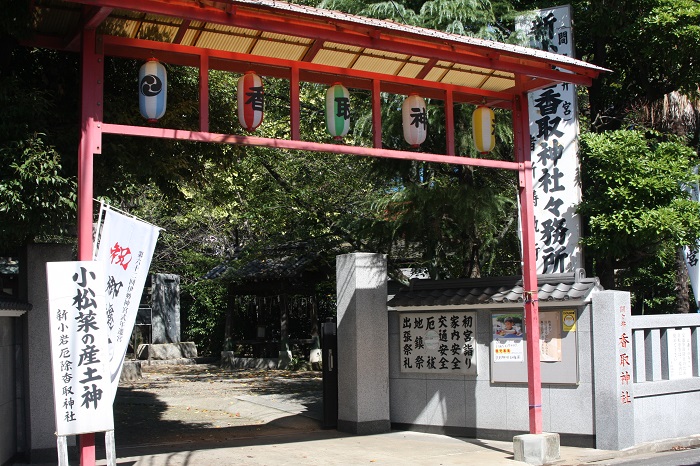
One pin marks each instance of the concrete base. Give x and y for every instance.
(536, 448)
(284, 359)
(230, 361)
(167, 351)
(364, 428)
(131, 370)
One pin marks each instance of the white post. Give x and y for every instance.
(62, 447)
(110, 448)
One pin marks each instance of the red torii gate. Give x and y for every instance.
(301, 43)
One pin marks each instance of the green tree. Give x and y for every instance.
(652, 48)
(37, 191)
(448, 221)
(634, 201)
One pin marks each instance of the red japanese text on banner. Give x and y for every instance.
(125, 250)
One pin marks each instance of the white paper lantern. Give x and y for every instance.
(415, 120)
(251, 100)
(338, 110)
(153, 90)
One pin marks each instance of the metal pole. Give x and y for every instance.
(527, 221)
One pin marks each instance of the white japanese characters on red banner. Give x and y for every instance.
(554, 146)
(79, 351)
(125, 251)
(438, 342)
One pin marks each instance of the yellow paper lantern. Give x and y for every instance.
(483, 129)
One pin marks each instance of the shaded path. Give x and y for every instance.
(177, 406)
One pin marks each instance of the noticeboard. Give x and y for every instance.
(442, 342)
(558, 347)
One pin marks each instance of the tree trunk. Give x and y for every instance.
(682, 295)
(228, 328)
(605, 269)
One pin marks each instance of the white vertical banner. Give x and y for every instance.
(125, 250)
(554, 144)
(79, 350)
(692, 254)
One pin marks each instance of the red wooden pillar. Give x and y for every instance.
(204, 92)
(376, 114)
(92, 79)
(294, 110)
(449, 123)
(521, 128)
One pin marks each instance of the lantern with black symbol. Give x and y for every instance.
(415, 120)
(483, 129)
(251, 99)
(337, 110)
(153, 90)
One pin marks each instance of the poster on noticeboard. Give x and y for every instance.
(558, 346)
(509, 332)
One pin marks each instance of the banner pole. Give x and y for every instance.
(110, 448)
(62, 447)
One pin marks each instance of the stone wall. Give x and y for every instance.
(41, 417)
(474, 406)
(8, 409)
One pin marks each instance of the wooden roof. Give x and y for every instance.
(554, 290)
(274, 37)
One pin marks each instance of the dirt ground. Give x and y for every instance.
(186, 404)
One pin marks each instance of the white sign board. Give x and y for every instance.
(554, 148)
(680, 359)
(692, 254)
(79, 350)
(438, 342)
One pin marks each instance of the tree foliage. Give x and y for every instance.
(634, 200)
(652, 48)
(37, 183)
(216, 200)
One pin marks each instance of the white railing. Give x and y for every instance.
(665, 353)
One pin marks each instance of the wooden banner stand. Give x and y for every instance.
(110, 449)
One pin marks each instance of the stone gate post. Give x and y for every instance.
(612, 370)
(363, 350)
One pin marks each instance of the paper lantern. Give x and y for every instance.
(251, 98)
(337, 110)
(153, 90)
(483, 129)
(415, 120)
